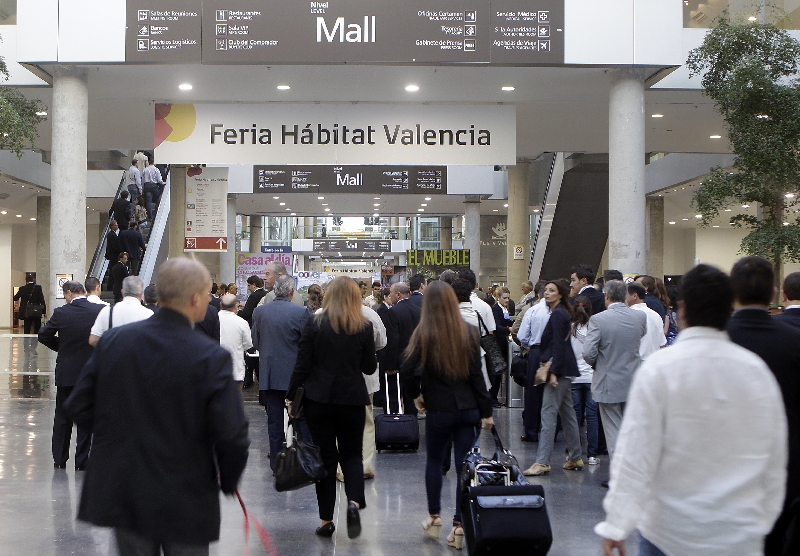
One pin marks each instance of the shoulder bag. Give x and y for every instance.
(299, 465)
(33, 310)
(495, 363)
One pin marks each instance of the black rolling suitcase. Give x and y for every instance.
(506, 520)
(395, 431)
(500, 511)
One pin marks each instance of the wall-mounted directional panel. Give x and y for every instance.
(163, 31)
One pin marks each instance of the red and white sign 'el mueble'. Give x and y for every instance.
(206, 218)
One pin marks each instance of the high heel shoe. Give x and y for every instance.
(326, 530)
(432, 526)
(456, 538)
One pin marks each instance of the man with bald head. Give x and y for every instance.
(168, 423)
(273, 270)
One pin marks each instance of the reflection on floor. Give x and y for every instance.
(38, 502)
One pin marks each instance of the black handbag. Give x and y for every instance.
(33, 310)
(502, 470)
(519, 370)
(298, 465)
(495, 362)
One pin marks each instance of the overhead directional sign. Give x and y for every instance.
(350, 179)
(206, 221)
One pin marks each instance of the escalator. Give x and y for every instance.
(155, 237)
(573, 228)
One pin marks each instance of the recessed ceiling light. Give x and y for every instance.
(427, 198)
(185, 86)
(715, 226)
(535, 210)
(412, 88)
(752, 18)
(715, 136)
(423, 204)
(288, 209)
(789, 195)
(657, 116)
(495, 210)
(327, 209)
(376, 214)
(3, 212)
(377, 198)
(23, 186)
(293, 214)
(33, 219)
(20, 216)
(506, 205)
(324, 204)
(671, 222)
(283, 87)
(698, 216)
(282, 204)
(376, 204)
(42, 113)
(320, 198)
(276, 197)
(684, 219)
(785, 223)
(745, 206)
(507, 88)
(420, 210)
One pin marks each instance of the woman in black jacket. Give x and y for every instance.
(557, 348)
(444, 356)
(337, 346)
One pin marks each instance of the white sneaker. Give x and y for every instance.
(592, 460)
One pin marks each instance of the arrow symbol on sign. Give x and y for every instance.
(222, 241)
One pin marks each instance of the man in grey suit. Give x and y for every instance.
(276, 332)
(612, 348)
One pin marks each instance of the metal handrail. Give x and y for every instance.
(541, 212)
(101, 243)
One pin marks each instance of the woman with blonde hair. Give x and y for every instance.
(444, 357)
(337, 346)
(315, 297)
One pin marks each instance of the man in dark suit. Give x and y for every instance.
(151, 298)
(112, 243)
(118, 273)
(132, 242)
(121, 210)
(403, 319)
(276, 332)
(31, 292)
(417, 287)
(67, 332)
(581, 282)
(255, 286)
(791, 300)
(165, 443)
(777, 344)
(209, 325)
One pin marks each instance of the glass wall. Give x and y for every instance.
(701, 14)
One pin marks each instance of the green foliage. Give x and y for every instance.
(18, 119)
(751, 72)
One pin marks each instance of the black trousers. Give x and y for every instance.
(133, 544)
(31, 325)
(532, 414)
(62, 433)
(338, 431)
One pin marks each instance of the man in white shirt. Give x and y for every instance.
(481, 307)
(153, 184)
(654, 339)
(128, 310)
(133, 182)
(704, 400)
(234, 334)
(93, 289)
(530, 336)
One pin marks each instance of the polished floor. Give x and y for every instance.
(38, 503)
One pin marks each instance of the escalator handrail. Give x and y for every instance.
(541, 212)
(101, 243)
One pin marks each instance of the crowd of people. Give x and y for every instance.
(666, 383)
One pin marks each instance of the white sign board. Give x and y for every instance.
(335, 134)
(206, 221)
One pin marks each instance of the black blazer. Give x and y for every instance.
(790, 316)
(416, 298)
(112, 247)
(163, 407)
(556, 344)
(596, 297)
(502, 329)
(330, 365)
(30, 292)
(118, 273)
(778, 345)
(403, 319)
(210, 325)
(132, 241)
(122, 212)
(443, 395)
(250, 305)
(67, 332)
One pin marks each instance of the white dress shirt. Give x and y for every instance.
(94, 299)
(234, 335)
(126, 311)
(468, 314)
(654, 338)
(133, 177)
(151, 174)
(703, 403)
(482, 308)
(533, 324)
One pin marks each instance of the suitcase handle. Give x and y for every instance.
(476, 444)
(399, 397)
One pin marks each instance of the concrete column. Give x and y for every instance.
(177, 210)
(255, 233)
(70, 117)
(472, 231)
(6, 281)
(518, 230)
(308, 225)
(445, 232)
(227, 259)
(43, 205)
(655, 236)
(626, 190)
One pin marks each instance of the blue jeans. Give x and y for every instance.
(583, 403)
(440, 427)
(152, 196)
(646, 548)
